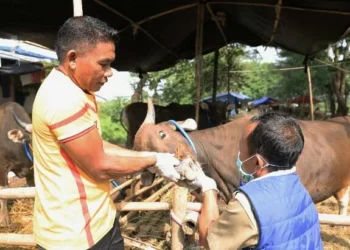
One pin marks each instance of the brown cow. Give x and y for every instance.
(210, 115)
(322, 166)
(13, 156)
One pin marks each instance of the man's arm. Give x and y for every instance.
(235, 228)
(209, 213)
(114, 150)
(88, 153)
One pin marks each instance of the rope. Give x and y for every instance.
(183, 132)
(175, 217)
(325, 64)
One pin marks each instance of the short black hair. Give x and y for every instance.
(79, 32)
(277, 138)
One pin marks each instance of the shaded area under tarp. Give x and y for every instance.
(264, 100)
(15, 69)
(154, 35)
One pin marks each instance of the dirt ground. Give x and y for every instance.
(154, 229)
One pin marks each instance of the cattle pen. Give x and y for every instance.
(178, 206)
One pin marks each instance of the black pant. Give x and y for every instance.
(113, 240)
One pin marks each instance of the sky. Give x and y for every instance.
(119, 83)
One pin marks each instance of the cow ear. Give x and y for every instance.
(16, 136)
(188, 125)
(204, 106)
(230, 107)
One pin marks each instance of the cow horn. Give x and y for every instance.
(26, 126)
(151, 115)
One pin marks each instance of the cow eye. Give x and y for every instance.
(162, 135)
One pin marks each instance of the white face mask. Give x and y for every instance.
(246, 177)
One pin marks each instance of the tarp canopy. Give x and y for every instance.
(155, 34)
(304, 99)
(24, 49)
(232, 97)
(264, 100)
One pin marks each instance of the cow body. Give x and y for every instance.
(12, 155)
(210, 115)
(323, 165)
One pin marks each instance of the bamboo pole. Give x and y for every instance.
(189, 223)
(215, 75)
(334, 219)
(29, 192)
(277, 20)
(153, 197)
(137, 243)
(77, 7)
(199, 57)
(179, 209)
(17, 239)
(142, 190)
(125, 184)
(155, 206)
(334, 12)
(17, 193)
(310, 92)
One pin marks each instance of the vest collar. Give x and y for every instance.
(276, 173)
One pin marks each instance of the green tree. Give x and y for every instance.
(177, 84)
(112, 129)
(294, 82)
(261, 79)
(339, 53)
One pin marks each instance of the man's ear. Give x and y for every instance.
(260, 161)
(72, 56)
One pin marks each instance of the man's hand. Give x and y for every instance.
(165, 166)
(198, 178)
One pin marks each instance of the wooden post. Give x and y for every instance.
(77, 7)
(215, 76)
(310, 93)
(199, 58)
(179, 209)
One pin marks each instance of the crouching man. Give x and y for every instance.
(272, 209)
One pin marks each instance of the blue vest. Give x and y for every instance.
(286, 216)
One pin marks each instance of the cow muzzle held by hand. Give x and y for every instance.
(165, 166)
(193, 177)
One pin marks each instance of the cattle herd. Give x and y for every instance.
(322, 165)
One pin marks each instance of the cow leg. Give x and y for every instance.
(342, 197)
(4, 216)
(30, 179)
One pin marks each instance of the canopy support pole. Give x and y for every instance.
(310, 91)
(77, 7)
(199, 57)
(215, 75)
(179, 209)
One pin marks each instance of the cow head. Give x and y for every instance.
(217, 112)
(163, 137)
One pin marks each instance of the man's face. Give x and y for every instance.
(251, 165)
(94, 67)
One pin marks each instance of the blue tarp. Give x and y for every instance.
(232, 97)
(25, 49)
(264, 100)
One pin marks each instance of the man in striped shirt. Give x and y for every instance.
(73, 165)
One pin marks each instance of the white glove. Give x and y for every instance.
(198, 178)
(165, 166)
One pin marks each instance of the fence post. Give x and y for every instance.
(179, 209)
